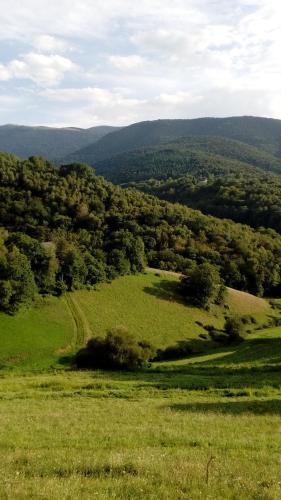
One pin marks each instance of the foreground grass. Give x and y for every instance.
(150, 434)
(143, 435)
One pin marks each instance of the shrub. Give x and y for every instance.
(178, 351)
(117, 351)
(234, 328)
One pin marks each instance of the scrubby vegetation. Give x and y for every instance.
(234, 328)
(117, 351)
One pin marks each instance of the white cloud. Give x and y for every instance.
(100, 96)
(144, 60)
(178, 98)
(127, 62)
(44, 70)
(49, 44)
(4, 73)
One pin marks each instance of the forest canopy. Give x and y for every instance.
(66, 228)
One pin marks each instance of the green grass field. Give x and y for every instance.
(150, 434)
(148, 305)
(35, 338)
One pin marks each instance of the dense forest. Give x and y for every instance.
(250, 199)
(202, 158)
(67, 228)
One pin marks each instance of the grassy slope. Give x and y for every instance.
(37, 337)
(146, 305)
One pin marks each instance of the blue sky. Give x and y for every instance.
(91, 62)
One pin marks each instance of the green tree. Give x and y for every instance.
(18, 286)
(203, 285)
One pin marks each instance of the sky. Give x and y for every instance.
(85, 63)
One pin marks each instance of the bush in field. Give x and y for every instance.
(234, 329)
(117, 351)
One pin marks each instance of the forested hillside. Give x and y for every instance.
(66, 228)
(49, 142)
(201, 157)
(263, 133)
(224, 178)
(253, 199)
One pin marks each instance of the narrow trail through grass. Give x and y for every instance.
(82, 329)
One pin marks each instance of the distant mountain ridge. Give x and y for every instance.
(49, 142)
(262, 133)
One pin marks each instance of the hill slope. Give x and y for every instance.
(51, 143)
(259, 132)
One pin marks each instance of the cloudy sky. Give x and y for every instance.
(91, 62)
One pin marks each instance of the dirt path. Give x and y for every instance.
(82, 329)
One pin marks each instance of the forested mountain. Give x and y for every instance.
(201, 157)
(46, 141)
(63, 228)
(219, 176)
(262, 133)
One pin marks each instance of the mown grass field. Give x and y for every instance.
(150, 434)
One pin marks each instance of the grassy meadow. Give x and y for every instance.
(204, 427)
(35, 338)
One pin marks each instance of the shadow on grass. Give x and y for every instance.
(67, 360)
(259, 351)
(166, 290)
(254, 364)
(258, 407)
